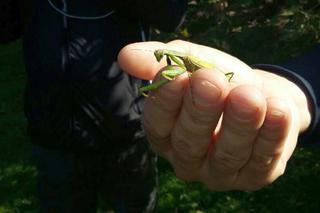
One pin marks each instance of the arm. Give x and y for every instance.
(304, 71)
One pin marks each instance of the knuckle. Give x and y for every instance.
(228, 161)
(153, 135)
(191, 131)
(156, 139)
(262, 163)
(170, 93)
(197, 153)
(205, 113)
(198, 117)
(165, 101)
(269, 135)
(242, 130)
(180, 146)
(196, 124)
(190, 152)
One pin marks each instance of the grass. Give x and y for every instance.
(17, 174)
(247, 35)
(296, 191)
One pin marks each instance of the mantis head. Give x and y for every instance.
(159, 54)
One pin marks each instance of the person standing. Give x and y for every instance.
(83, 112)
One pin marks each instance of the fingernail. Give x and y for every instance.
(276, 113)
(204, 93)
(242, 111)
(272, 120)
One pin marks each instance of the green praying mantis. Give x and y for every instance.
(183, 63)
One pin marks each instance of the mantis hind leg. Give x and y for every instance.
(229, 75)
(170, 72)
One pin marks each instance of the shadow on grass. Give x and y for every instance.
(17, 174)
(296, 191)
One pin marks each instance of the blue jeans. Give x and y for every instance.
(69, 182)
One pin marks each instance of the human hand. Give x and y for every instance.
(234, 135)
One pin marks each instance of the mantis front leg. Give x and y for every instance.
(169, 72)
(183, 62)
(172, 71)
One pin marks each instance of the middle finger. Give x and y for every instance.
(200, 113)
(243, 116)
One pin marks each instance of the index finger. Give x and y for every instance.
(138, 59)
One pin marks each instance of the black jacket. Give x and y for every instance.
(77, 98)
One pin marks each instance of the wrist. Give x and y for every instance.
(309, 112)
(281, 87)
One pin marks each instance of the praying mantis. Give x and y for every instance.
(183, 63)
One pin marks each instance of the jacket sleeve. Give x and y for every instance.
(305, 72)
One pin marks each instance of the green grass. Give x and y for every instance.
(267, 41)
(17, 174)
(296, 191)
